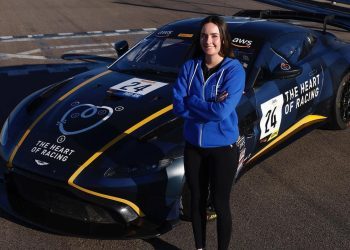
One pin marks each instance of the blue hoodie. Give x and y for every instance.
(209, 123)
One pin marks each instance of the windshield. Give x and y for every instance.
(156, 56)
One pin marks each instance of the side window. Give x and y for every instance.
(308, 44)
(261, 71)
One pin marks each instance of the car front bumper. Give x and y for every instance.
(56, 207)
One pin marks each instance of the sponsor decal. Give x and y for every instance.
(119, 108)
(271, 117)
(102, 112)
(285, 66)
(75, 115)
(164, 33)
(273, 136)
(303, 93)
(241, 149)
(41, 163)
(242, 157)
(263, 140)
(246, 58)
(313, 72)
(61, 139)
(85, 117)
(73, 104)
(135, 87)
(52, 151)
(185, 35)
(241, 43)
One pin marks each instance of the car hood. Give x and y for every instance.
(87, 117)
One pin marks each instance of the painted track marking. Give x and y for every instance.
(66, 35)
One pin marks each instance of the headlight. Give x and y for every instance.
(122, 170)
(3, 136)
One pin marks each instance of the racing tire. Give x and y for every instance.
(340, 116)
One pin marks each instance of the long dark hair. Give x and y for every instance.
(226, 48)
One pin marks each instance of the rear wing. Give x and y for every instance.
(333, 20)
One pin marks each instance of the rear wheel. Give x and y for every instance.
(341, 108)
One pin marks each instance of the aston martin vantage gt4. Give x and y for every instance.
(102, 152)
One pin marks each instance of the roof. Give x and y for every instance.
(258, 28)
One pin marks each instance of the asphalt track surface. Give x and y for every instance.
(298, 198)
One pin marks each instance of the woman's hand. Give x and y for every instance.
(222, 96)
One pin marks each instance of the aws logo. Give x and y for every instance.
(241, 43)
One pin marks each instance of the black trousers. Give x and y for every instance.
(218, 167)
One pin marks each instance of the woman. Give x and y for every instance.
(206, 94)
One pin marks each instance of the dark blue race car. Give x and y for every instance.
(101, 153)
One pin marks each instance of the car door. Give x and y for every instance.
(300, 98)
(284, 89)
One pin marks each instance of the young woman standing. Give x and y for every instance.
(206, 94)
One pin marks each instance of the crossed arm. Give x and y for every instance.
(194, 107)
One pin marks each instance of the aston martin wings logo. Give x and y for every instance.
(41, 163)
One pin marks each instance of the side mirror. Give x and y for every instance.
(285, 71)
(121, 47)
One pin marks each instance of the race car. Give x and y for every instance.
(101, 153)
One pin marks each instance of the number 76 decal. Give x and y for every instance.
(271, 117)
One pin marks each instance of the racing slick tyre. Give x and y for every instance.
(341, 110)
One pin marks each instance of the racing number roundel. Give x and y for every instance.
(271, 117)
(136, 87)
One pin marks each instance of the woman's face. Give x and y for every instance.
(210, 39)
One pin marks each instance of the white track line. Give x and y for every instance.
(89, 50)
(79, 45)
(7, 39)
(33, 51)
(7, 55)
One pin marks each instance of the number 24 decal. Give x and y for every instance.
(270, 120)
(271, 116)
(135, 87)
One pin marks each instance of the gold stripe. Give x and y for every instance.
(10, 164)
(185, 35)
(107, 146)
(306, 121)
(129, 203)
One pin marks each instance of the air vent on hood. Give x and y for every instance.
(47, 93)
